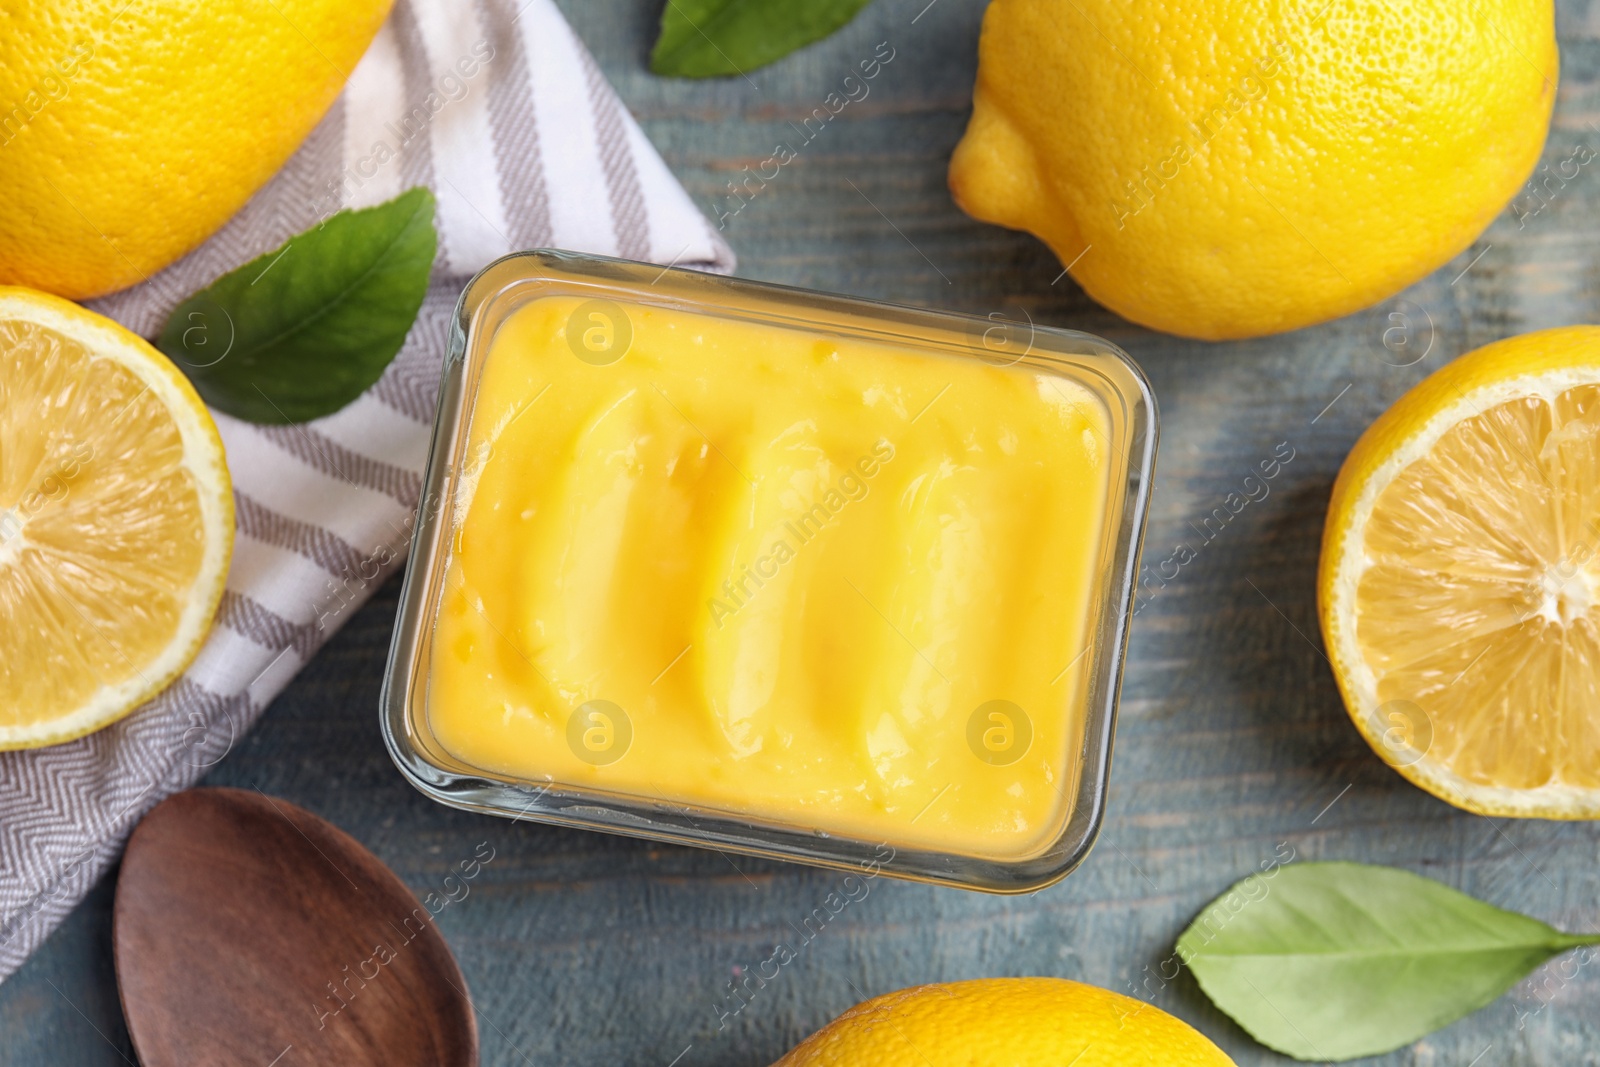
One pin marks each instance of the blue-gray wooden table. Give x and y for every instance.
(1233, 747)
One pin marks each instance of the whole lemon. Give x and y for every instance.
(1006, 1022)
(1231, 168)
(130, 130)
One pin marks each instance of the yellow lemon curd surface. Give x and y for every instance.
(798, 577)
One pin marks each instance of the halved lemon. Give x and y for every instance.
(116, 520)
(1460, 579)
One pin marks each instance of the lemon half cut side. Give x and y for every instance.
(116, 521)
(1459, 587)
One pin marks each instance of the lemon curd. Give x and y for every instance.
(804, 578)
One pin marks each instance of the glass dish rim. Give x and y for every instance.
(662, 820)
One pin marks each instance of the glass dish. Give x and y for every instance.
(1006, 541)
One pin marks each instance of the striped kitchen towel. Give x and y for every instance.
(499, 109)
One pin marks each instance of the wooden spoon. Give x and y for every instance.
(249, 931)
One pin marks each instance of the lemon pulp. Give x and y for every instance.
(1481, 594)
(115, 521)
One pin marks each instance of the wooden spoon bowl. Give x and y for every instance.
(249, 931)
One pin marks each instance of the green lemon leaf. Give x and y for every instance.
(705, 38)
(307, 328)
(1333, 961)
